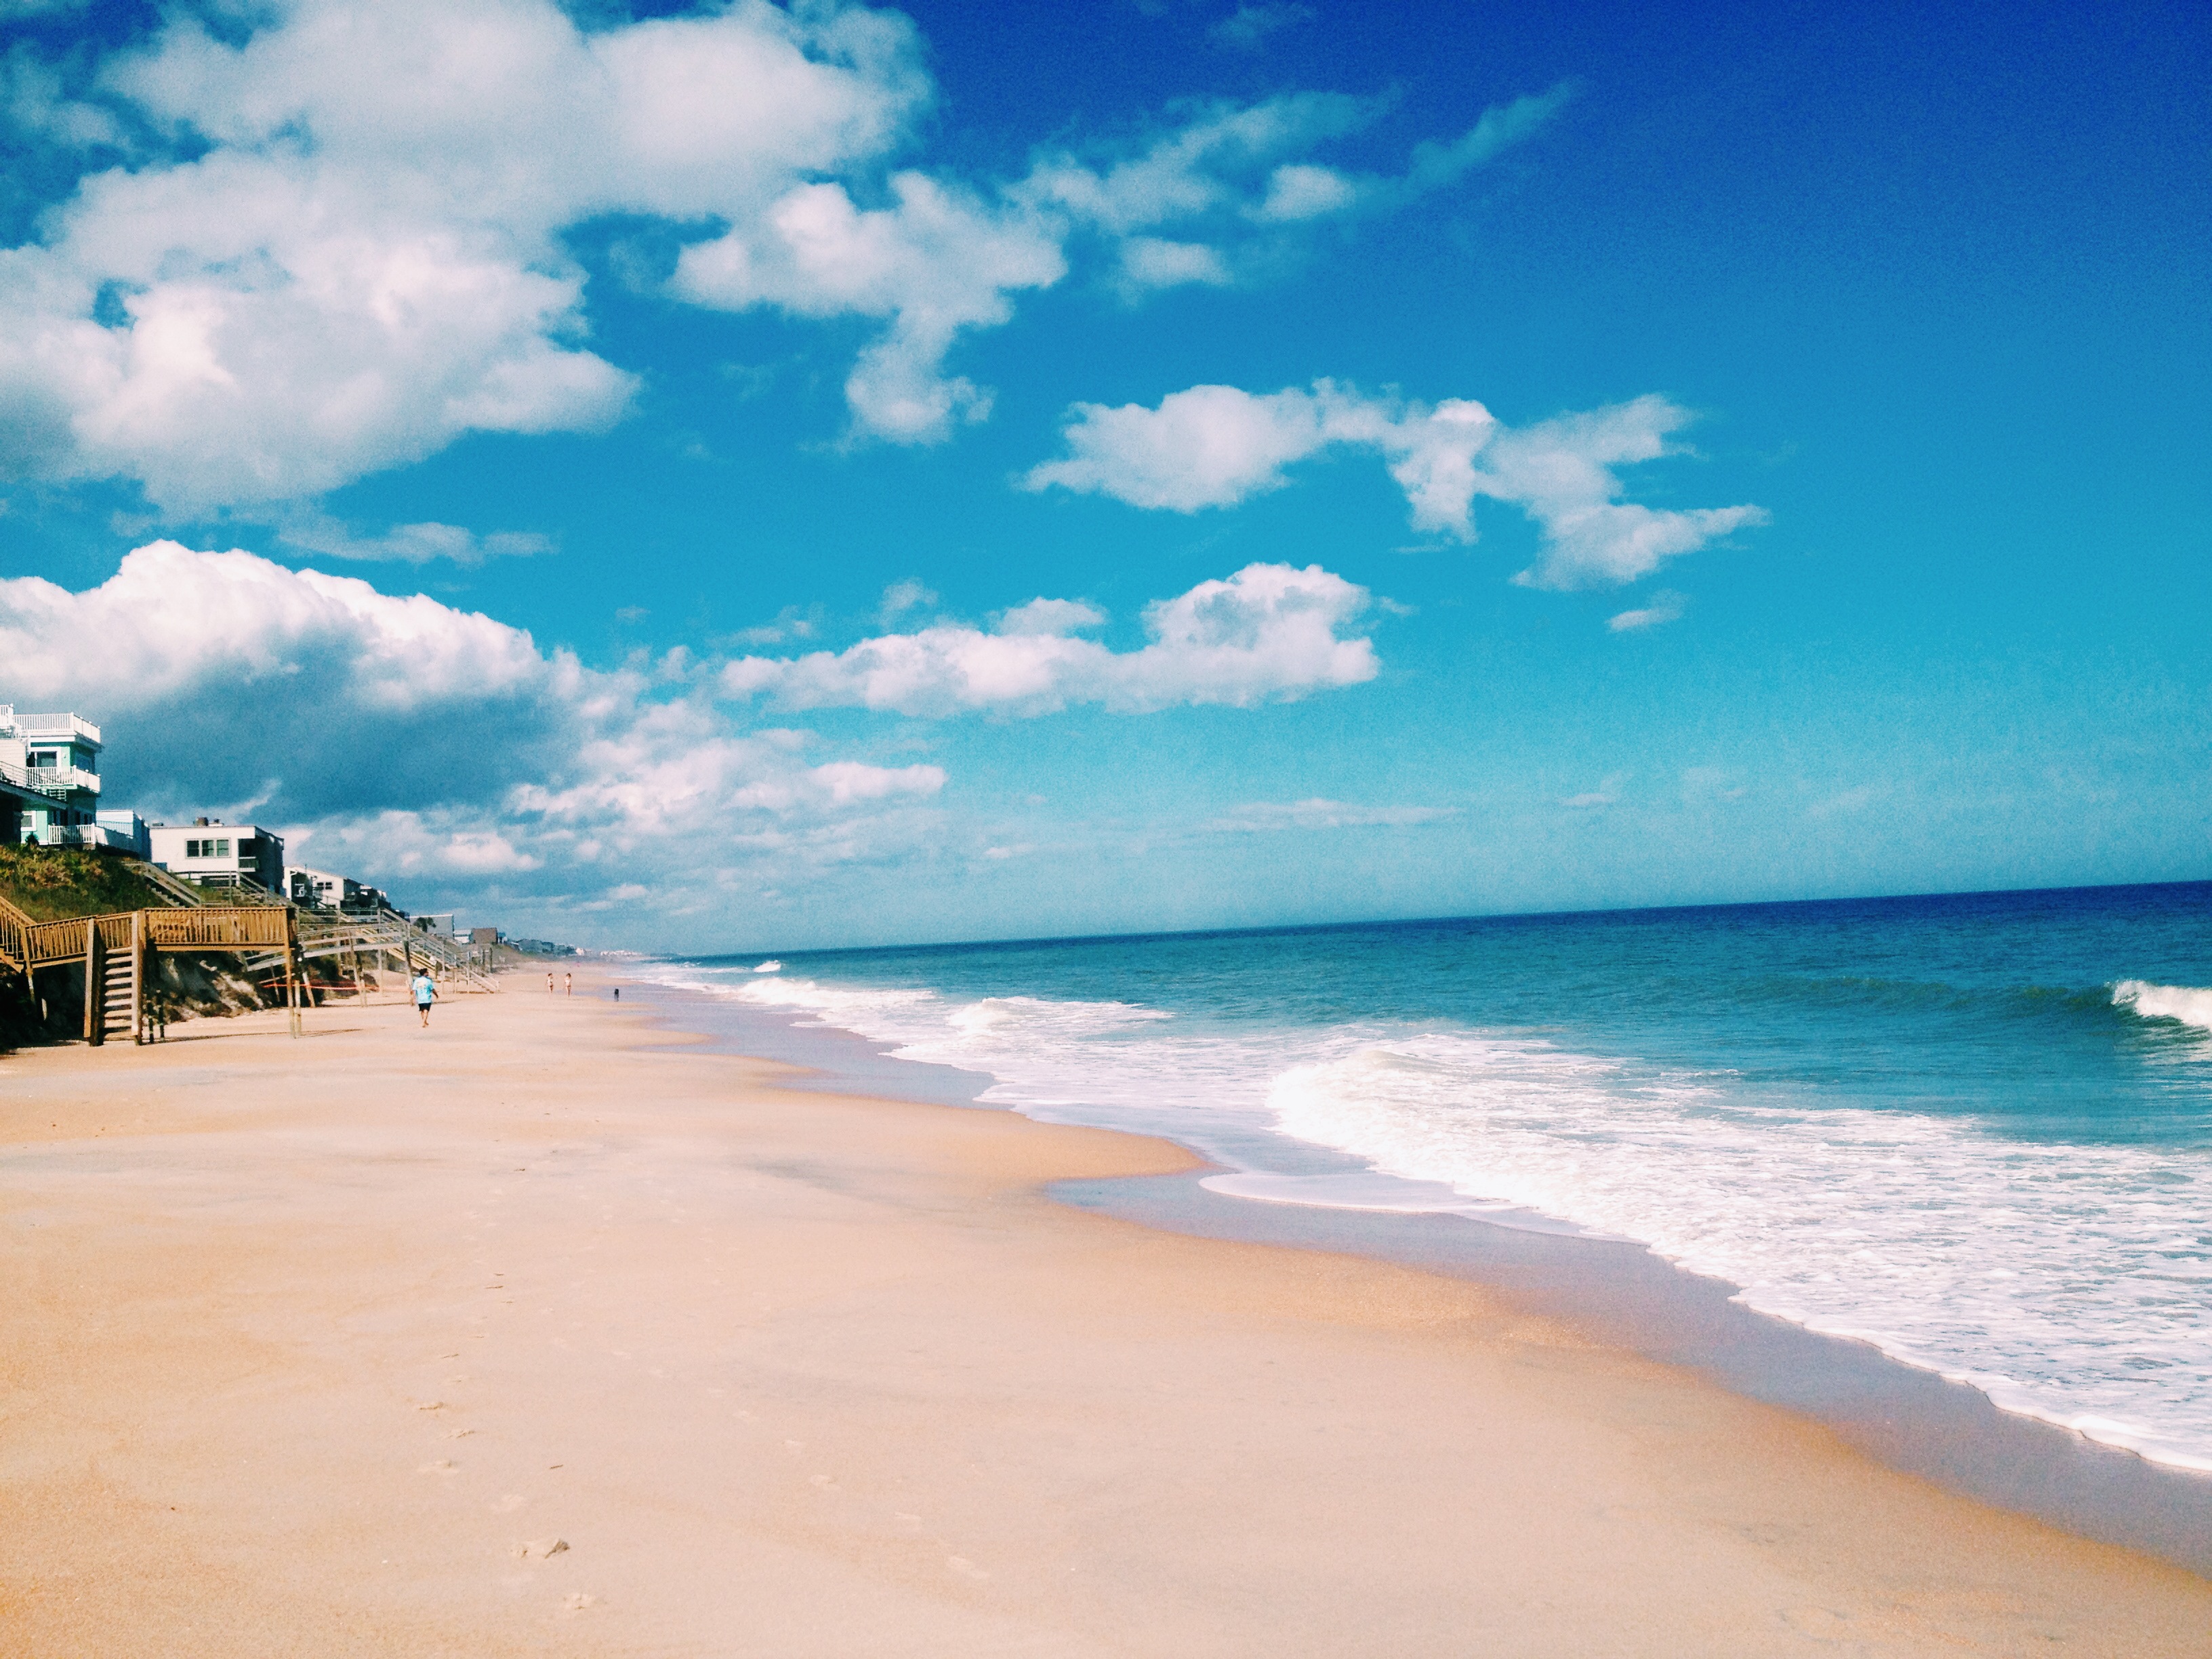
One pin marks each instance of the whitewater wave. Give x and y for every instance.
(2065, 1281)
(2190, 1005)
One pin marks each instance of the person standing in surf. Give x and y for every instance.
(426, 993)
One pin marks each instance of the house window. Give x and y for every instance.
(43, 757)
(222, 849)
(191, 850)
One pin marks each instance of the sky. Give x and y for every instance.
(721, 478)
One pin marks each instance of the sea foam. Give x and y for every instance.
(2068, 1280)
(2188, 1004)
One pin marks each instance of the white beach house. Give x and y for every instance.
(212, 854)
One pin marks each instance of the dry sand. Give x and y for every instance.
(543, 1332)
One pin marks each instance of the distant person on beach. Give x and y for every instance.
(618, 994)
(549, 985)
(571, 978)
(426, 993)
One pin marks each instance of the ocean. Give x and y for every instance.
(1974, 1130)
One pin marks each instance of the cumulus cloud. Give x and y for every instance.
(338, 243)
(934, 262)
(444, 754)
(1260, 818)
(1268, 632)
(1215, 445)
(401, 738)
(349, 254)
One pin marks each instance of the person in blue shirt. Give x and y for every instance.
(426, 993)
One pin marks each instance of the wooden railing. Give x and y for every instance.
(65, 941)
(29, 945)
(13, 951)
(212, 925)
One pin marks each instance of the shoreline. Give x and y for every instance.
(552, 1331)
(1912, 1418)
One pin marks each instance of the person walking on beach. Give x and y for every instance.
(570, 979)
(549, 985)
(426, 993)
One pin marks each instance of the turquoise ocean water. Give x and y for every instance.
(1975, 1130)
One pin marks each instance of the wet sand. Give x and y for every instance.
(543, 1332)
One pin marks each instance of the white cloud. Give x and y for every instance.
(935, 263)
(1215, 445)
(1050, 617)
(1187, 206)
(1260, 818)
(1666, 606)
(342, 247)
(34, 101)
(445, 755)
(1268, 632)
(1212, 445)
(351, 256)
(410, 543)
(409, 740)
(902, 596)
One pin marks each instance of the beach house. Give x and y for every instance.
(212, 854)
(325, 889)
(49, 778)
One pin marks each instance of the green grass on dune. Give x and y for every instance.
(50, 883)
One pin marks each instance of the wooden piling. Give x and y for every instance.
(95, 985)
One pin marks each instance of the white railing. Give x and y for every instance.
(59, 779)
(58, 727)
(54, 780)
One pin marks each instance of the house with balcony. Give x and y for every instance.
(49, 778)
(209, 853)
(324, 890)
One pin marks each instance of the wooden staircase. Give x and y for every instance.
(114, 953)
(324, 933)
(116, 1006)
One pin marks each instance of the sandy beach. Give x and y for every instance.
(546, 1331)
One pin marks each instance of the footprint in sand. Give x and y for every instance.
(443, 1466)
(541, 1549)
(508, 1504)
(579, 1603)
(431, 1405)
(460, 1434)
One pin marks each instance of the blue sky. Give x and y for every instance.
(657, 351)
